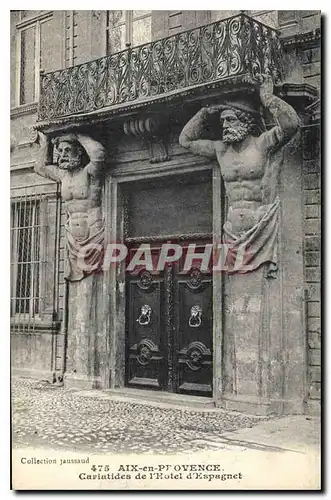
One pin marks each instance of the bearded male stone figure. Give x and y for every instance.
(79, 169)
(247, 161)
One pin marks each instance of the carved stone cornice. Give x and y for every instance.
(205, 91)
(24, 109)
(299, 95)
(151, 129)
(309, 39)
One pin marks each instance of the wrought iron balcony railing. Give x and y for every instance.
(232, 47)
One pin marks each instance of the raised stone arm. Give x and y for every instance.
(190, 137)
(286, 118)
(96, 153)
(44, 165)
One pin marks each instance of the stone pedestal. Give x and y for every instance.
(253, 362)
(264, 360)
(264, 346)
(85, 343)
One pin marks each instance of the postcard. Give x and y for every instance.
(165, 250)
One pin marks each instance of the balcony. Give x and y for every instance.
(233, 49)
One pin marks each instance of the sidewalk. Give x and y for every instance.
(55, 417)
(112, 432)
(297, 433)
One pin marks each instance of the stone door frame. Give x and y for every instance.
(114, 279)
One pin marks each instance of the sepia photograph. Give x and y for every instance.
(165, 249)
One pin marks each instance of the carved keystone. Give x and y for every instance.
(150, 129)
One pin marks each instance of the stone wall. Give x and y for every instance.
(312, 238)
(302, 65)
(312, 258)
(311, 60)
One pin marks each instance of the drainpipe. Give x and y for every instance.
(64, 332)
(59, 375)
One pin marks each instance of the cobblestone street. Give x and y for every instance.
(54, 417)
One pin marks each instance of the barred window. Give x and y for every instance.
(25, 257)
(127, 27)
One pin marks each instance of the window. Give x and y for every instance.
(127, 27)
(29, 13)
(31, 39)
(25, 257)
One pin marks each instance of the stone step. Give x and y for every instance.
(165, 397)
(154, 398)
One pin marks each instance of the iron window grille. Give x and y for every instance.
(26, 262)
(34, 261)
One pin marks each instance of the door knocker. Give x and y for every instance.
(195, 318)
(145, 315)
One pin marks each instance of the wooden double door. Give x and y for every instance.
(169, 327)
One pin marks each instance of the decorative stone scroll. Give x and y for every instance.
(249, 157)
(151, 130)
(33, 135)
(79, 168)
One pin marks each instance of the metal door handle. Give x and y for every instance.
(195, 318)
(145, 315)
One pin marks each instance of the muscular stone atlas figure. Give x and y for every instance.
(79, 169)
(245, 157)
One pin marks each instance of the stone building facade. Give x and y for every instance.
(119, 87)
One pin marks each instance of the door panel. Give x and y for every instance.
(194, 334)
(169, 328)
(146, 351)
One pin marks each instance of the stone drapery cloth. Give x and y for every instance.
(84, 257)
(255, 247)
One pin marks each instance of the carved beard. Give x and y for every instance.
(70, 164)
(235, 134)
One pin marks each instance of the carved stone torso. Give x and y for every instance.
(81, 194)
(75, 185)
(80, 189)
(243, 169)
(243, 163)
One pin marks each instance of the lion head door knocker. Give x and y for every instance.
(195, 280)
(145, 315)
(195, 318)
